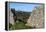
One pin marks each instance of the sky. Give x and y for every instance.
(23, 7)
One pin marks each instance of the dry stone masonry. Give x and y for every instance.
(37, 17)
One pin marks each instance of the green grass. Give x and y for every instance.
(19, 25)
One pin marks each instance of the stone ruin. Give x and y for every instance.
(10, 17)
(37, 17)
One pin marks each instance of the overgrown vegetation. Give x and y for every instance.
(20, 25)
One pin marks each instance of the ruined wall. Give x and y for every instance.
(37, 17)
(10, 17)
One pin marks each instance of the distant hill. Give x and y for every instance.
(23, 13)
